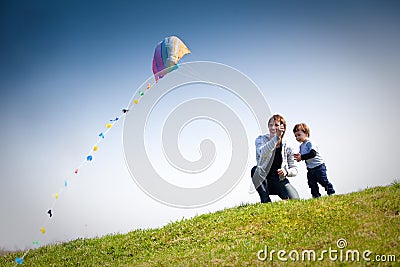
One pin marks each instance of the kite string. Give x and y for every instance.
(189, 72)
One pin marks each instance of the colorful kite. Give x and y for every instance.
(166, 56)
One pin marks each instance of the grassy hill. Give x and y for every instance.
(367, 223)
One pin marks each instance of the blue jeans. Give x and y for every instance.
(317, 176)
(273, 186)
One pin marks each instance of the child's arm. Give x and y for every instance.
(309, 155)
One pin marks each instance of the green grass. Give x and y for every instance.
(368, 220)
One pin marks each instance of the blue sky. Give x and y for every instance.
(67, 67)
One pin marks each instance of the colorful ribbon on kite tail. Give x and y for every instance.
(87, 159)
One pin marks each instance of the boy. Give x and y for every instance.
(316, 169)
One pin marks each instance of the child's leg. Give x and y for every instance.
(312, 183)
(322, 178)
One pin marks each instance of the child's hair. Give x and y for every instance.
(302, 127)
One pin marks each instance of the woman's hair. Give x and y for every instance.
(302, 127)
(280, 119)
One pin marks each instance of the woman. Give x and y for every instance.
(275, 162)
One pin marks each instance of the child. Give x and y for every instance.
(316, 169)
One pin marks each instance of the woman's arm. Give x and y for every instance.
(265, 147)
(292, 167)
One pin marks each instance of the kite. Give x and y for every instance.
(166, 56)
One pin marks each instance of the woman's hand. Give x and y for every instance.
(280, 130)
(282, 172)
